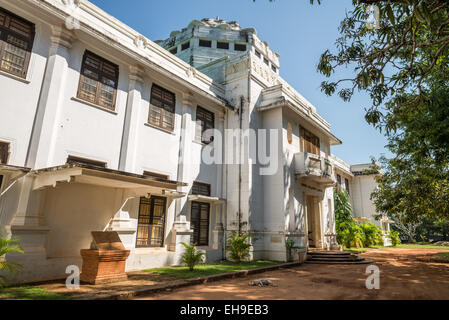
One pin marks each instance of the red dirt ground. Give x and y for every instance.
(404, 274)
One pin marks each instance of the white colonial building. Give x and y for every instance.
(103, 129)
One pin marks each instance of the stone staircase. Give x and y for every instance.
(335, 257)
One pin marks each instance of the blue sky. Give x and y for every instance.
(298, 31)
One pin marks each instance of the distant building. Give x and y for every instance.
(360, 184)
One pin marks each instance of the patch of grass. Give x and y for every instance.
(211, 268)
(355, 250)
(418, 246)
(441, 257)
(400, 246)
(29, 293)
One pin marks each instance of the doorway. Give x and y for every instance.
(313, 221)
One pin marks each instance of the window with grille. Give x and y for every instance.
(16, 43)
(151, 222)
(222, 45)
(239, 47)
(199, 188)
(205, 120)
(4, 152)
(309, 142)
(199, 222)
(162, 108)
(206, 43)
(98, 81)
(77, 160)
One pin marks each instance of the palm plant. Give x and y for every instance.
(238, 247)
(191, 257)
(8, 246)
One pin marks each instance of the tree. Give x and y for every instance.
(410, 40)
(402, 63)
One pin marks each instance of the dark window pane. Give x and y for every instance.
(239, 47)
(199, 222)
(162, 108)
(204, 120)
(274, 68)
(199, 188)
(16, 41)
(151, 222)
(98, 81)
(222, 45)
(266, 61)
(258, 54)
(205, 43)
(174, 50)
(4, 152)
(185, 46)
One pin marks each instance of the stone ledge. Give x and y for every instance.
(149, 290)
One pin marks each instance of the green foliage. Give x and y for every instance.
(394, 236)
(191, 257)
(238, 247)
(8, 246)
(403, 65)
(372, 234)
(350, 233)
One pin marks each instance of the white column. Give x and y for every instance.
(130, 129)
(184, 161)
(43, 137)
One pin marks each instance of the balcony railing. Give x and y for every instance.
(312, 167)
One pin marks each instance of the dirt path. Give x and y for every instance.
(404, 274)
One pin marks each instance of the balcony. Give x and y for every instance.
(311, 167)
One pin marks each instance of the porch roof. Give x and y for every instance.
(13, 170)
(89, 174)
(201, 198)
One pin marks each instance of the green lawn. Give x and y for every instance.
(418, 245)
(211, 268)
(28, 293)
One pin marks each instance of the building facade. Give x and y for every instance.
(104, 129)
(359, 181)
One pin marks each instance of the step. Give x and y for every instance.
(336, 260)
(329, 255)
(364, 261)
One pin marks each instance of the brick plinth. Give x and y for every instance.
(103, 266)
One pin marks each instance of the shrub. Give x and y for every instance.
(394, 236)
(191, 256)
(8, 246)
(350, 234)
(372, 234)
(238, 247)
